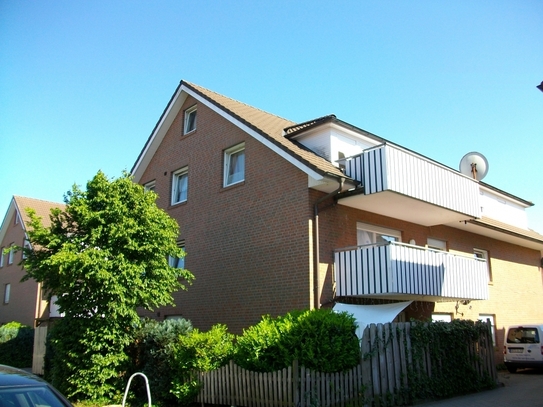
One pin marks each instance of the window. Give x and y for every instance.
(7, 293)
(442, 317)
(483, 254)
(10, 254)
(234, 165)
(371, 234)
(523, 335)
(26, 245)
(190, 120)
(484, 318)
(180, 185)
(178, 262)
(436, 244)
(150, 186)
(1, 256)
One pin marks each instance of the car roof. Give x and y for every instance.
(10, 376)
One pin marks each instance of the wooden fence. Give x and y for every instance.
(381, 378)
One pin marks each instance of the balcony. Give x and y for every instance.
(401, 184)
(399, 271)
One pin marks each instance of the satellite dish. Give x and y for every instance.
(474, 165)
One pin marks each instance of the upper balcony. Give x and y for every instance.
(399, 271)
(404, 185)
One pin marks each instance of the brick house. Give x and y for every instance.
(21, 301)
(276, 215)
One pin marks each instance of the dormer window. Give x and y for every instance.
(190, 119)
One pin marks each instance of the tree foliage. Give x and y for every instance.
(104, 256)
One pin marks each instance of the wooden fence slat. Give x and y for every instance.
(366, 364)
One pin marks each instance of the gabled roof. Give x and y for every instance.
(265, 127)
(42, 208)
(18, 207)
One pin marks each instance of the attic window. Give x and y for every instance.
(190, 119)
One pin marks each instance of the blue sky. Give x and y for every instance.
(83, 83)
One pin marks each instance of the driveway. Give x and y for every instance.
(524, 388)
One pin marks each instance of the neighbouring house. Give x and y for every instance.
(21, 301)
(276, 216)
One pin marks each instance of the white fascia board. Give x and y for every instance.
(158, 134)
(310, 172)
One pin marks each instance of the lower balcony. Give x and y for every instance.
(399, 271)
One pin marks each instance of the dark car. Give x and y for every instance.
(19, 388)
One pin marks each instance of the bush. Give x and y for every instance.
(151, 353)
(169, 352)
(16, 344)
(201, 351)
(320, 339)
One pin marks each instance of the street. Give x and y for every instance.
(524, 388)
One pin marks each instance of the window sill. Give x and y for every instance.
(190, 133)
(232, 186)
(175, 205)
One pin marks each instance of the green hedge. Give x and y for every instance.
(320, 339)
(16, 345)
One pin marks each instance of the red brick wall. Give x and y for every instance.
(250, 246)
(22, 303)
(247, 244)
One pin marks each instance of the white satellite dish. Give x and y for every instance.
(474, 165)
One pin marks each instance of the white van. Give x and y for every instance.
(523, 346)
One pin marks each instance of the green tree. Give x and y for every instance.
(104, 256)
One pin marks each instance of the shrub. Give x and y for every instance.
(151, 353)
(320, 339)
(16, 344)
(202, 351)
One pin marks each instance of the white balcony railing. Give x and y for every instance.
(397, 270)
(390, 168)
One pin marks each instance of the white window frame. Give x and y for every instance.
(2, 256)
(190, 120)
(492, 318)
(374, 231)
(483, 254)
(11, 253)
(230, 178)
(7, 293)
(150, 186)
(177, 176)
(178, 262)
(26, 245)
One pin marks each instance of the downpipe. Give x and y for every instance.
(316, 271)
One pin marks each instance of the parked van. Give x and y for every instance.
(523, 346)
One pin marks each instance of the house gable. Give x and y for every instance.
(262, 126)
